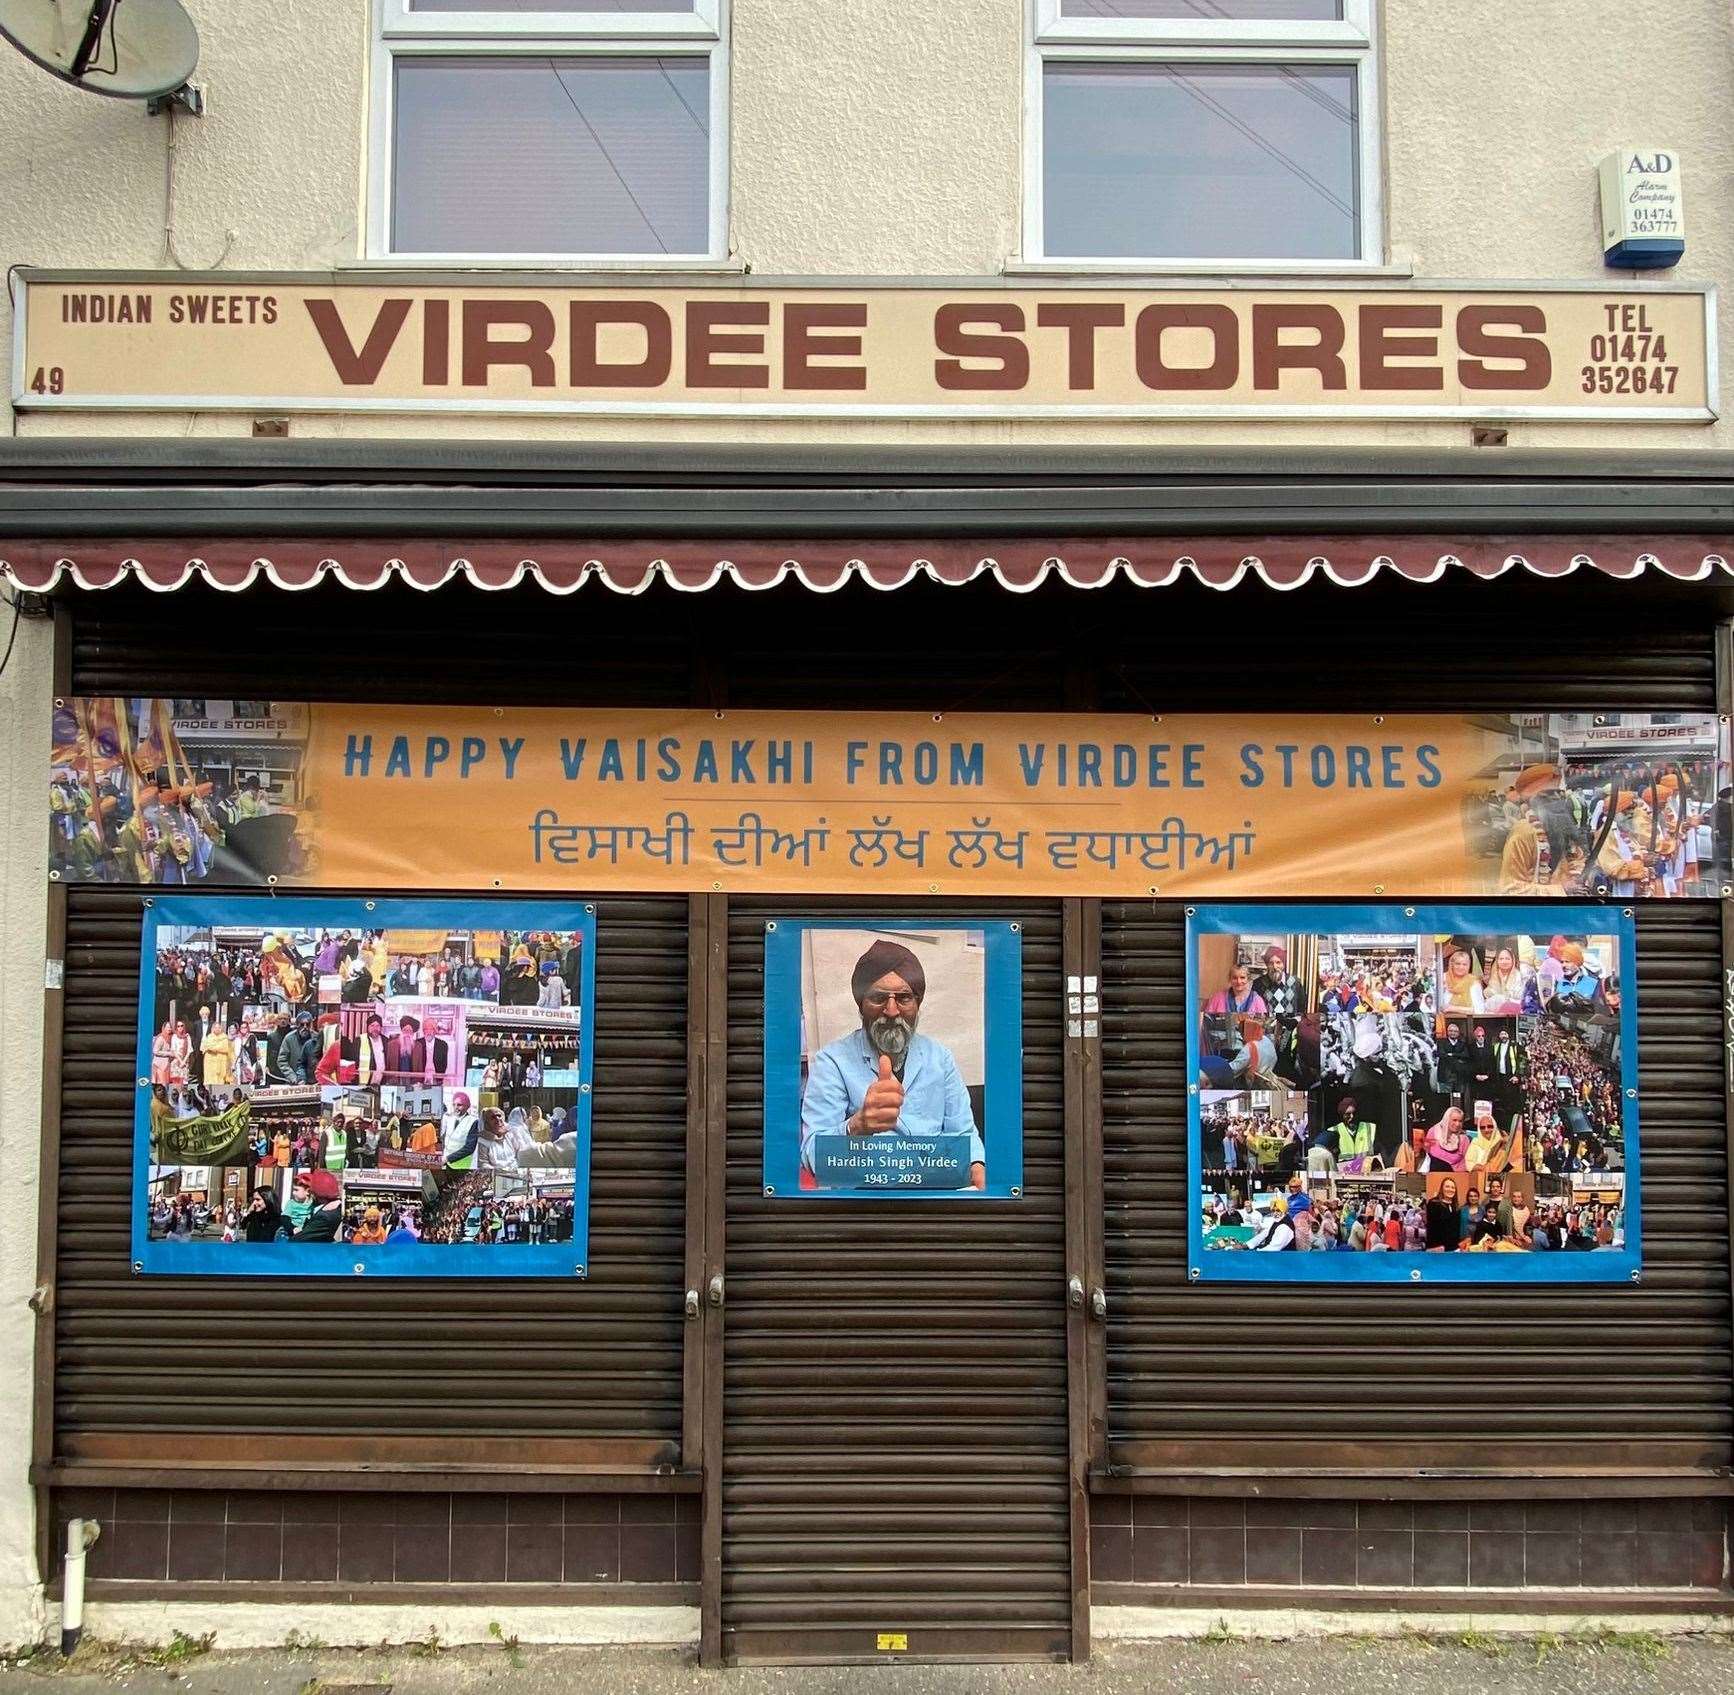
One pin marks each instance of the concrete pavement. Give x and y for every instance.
(1614, 1664)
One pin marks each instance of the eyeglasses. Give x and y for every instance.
(880, 998)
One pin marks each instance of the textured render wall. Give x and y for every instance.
(879, 137)
(25, 691)
(883, 137)
(1500, 113)
(277, 160)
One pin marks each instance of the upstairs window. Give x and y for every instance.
(559, 130)
(1243, 132)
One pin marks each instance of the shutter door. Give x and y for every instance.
(594, 1360)
(895, 1380)
(1555, 1376)
(1211, 1374)
(153, 1361)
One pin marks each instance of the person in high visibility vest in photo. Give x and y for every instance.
(460, 1130)
(1353, 1136)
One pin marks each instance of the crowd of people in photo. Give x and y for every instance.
(332, 1137)
(458, 1196)
(284, 972)
(1240, 1135)
(520, 1220)
(533, 969)
(272, 1054)
(1449, 1217)
(1468, 1098)
(118, 827)
(1377, 1030)
(1574, 1103)
(1635, 828)
(224, 980)
(1380, 985)
(313, 1212)
(145, 790)
(1237, 1137)
(470, 1212)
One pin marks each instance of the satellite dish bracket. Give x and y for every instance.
(94, 25)
(188, 98)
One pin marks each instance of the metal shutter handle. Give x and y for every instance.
(715, 1290)
(1099, 1304)
(692, 1303)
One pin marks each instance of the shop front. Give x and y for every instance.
(888, 1053)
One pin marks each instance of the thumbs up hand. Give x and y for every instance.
(882, 1105)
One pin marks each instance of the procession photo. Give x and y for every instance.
(178, 792)
(1622, 806)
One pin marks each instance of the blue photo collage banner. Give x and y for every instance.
(1419, 1094)
(354, 1087)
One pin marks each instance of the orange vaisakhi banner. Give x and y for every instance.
(536, 798)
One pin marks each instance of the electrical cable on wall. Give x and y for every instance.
(169, 251)
(17, 613)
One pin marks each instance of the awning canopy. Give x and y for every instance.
(1281, 562)
(241, 514)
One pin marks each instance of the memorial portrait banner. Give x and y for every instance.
(893, 1058)
(186, 792)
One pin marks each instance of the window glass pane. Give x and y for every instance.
(1184, 161)
(551, 155)
(1260, 11)
(561, 5)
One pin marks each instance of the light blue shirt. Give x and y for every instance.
(935, 1099)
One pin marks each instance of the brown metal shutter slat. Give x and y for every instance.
(1370, 661)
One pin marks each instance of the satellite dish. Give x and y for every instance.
(131, 49)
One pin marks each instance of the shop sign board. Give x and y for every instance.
(144, 341)
(906, 804)
(321, 1093)
(1456, 1105)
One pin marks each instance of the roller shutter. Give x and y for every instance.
(1199, 1376)
(1218, 1375)
(187, 1365)
(895, 1381)
(210, 1366)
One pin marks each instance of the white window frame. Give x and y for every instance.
(1351, 41)
(400, 32)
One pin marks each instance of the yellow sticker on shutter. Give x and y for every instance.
(893, 1642)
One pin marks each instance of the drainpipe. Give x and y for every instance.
(81, 1535)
